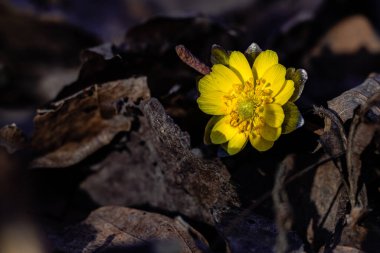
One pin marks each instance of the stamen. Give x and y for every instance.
(246, 105)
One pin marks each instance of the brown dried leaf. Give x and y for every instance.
(281, 205)
(363, 129)
(160, 170)
(125, 229)
(338, 182)
(328, 199)
(327, 193)
(345, 104)
(12, 138)
(81, 124)
(333, 138)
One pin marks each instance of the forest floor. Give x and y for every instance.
(102, 140)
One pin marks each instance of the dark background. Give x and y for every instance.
(40, 41)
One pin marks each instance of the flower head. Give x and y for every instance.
(249, 101)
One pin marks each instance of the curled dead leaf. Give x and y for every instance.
(69, 130)
(345, 104)
(127, 230)
(338, 191)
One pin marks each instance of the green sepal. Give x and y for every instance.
(293, 118)
(219, 55)
(252, 52)
(210, 124)
(299, 78)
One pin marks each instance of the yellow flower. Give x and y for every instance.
(249, 101)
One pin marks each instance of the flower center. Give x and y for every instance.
(246, 108)
(247, 103)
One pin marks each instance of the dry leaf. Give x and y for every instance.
(338, 183)
(157, 168)
(281, 205)
(328, 192)
(345, 104)
(12, 138)
(364, 129)
(128, 230)
(73, 128)
(328, 203)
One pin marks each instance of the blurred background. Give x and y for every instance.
(41, 41)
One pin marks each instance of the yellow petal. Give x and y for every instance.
(270, 133)
(237, 143)
(264, 61)
(260, 143)
(238, 62)
(225, 77)
(221, 79)
(223, 131)
(210, 124)
(273, 115)
(206, 84)
(285, 94)
(275, 78)
(212, 103)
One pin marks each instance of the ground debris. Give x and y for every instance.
(345, 104)
(110, 138)
(71, 129)
(122, 229)
(159, 169)
(339, 188)
(12, 138)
